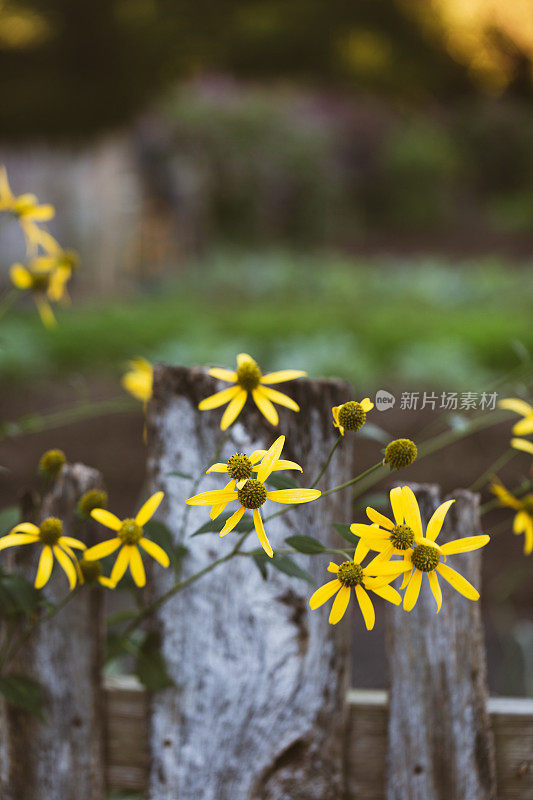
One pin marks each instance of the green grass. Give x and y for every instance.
(375, 321)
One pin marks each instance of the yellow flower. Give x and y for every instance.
(352, 415)
(50, 535)
(129, 536)
(426, 556)
(248, 378)
(376, 577)
(27, 210)
(525, 426)
(44, 282)
(139, 379)
(252, 494)
(523, 521)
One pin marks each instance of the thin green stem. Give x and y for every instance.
(327, 462)
(494, 467)
(351, 482)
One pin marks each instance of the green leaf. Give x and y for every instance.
(346, 533)
(378, 500)
(150, 667)
(121, 616)
(261, 559)
(9, 517)
(305, 544)
(216, 525)
(282, 482)
(159, 533)
(17, 596)
(23, 693)
(177, 474)
(289, 567)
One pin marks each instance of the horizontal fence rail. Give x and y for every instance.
(511, 720)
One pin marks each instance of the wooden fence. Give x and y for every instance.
(259, 709)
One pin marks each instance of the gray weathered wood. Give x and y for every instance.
(440, 742)
(259, 708)
(62, 757)
(366, 742)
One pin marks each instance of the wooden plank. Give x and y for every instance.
(440, 742)
(366, 744)
(259, 712)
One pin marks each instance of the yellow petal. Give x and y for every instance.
(272, 455)
(283, 375)
(25, 527)
(464, 545)
(13, 539)
(367, 609)
(67, 566)
(387, 593)
(413, 590)
(332, 567)
(361, 529)
(396, 501)
(20, 277)
(45, 312)
(218, 467)
(68, 541)
(280, 398)
(234, 409)
(148, 510)
(293, 495)
(380, 567)
(155, 551)
(215, 497)
(265, 406)
(335, 412)
(41, 213)
(367, 405)
(257, 455)
(524, 427)
(522, 444)
(528, 538)
(437, 519)
(121, 564)
(379, 519)
(232, 521)
(504, 496)
(323, 594)
(223, 374)
(219, 398)
(138, 385)
(106, 518)
(102, 550)
(107, 582)
(361, 551)
(407, 575)
(137, 566)
(5, 190)
(283, 464)
(520, 522)
(340, 604)
(516, 405)
(265, 544)
(244, 358)
(435, 588)
(44, 570)
(412, 511)
(458, 582)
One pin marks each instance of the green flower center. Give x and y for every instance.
(400, 453)
(351, 416)
(95, 498)
(91, 570)
(50, 531)
(425, 558)
(40, 283)
(350, 574)
(130, 532)
(527, 504)
(248, 375)
(239, 466)
(51, 462)
(252, 495)
(402, 537)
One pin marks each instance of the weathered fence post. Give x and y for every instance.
(258, 708)
(61, 757)
(440, 742)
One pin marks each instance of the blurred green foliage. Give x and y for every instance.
(375, 321)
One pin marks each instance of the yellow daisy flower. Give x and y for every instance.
(525, 426)
(351, 415)
(138, 380)
(130, 536)
(376, 577)
(50, 535)
(27, 210)
(252, 494)
(523, 521)
(44, 282)
(424, 558)
(248, 378)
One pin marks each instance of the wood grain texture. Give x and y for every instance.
(62, 757)
(259, 708)
(440, 742)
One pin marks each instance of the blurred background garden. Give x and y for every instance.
(345, 188)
